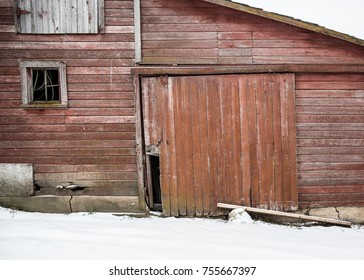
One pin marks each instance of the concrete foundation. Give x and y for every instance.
(69, 204)
(354, 215)
(16, 180)
(130, 205)
(351, 214)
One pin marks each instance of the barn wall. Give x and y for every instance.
(91, 143)
(330, 139)
(196, 32)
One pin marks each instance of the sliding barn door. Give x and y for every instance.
(222, 138)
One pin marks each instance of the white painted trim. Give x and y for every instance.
(137, 32)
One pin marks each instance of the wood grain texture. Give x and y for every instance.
(330, 127)
(189, 32)
(221, 144)
(93, 142)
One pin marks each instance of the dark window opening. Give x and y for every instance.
(46, 85)
(156, 187)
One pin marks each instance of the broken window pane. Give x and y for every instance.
(46, 85)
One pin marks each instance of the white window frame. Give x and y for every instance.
(26, 79)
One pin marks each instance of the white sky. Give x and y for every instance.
(344, 16)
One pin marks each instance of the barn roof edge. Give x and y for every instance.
(288, 20)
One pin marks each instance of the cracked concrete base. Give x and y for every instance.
(351, 214)
(69, 204)
(43, 204)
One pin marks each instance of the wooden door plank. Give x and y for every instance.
(212, 119)
(164, 159)
(189, 85)
(225, 155)
(237, 192)
(197, 122)
(181, 130)
(262, 137)
(290, 80)
(253, 138)
(171, 142)
(204, 143)
(221, 128)
(270, 81)
(277, 138)
(285, 146)
(245, 145)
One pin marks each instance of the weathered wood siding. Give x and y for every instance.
(330, 132)
(59, 16)
(223, 138)
(196, 32)
(91, 143)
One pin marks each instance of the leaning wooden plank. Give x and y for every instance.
(285, 214)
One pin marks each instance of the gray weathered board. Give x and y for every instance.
(59, 16)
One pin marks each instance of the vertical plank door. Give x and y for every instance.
(223, 138)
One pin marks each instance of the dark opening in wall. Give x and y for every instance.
(46, 85)
(156, 187)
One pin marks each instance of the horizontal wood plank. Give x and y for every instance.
(92, 142)
(330, 111)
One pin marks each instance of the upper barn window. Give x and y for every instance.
(60, 16)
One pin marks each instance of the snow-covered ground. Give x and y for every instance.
(85, 236)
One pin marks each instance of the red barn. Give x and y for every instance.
(177, 105)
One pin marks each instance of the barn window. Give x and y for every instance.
(60, 16)
(43, 84)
